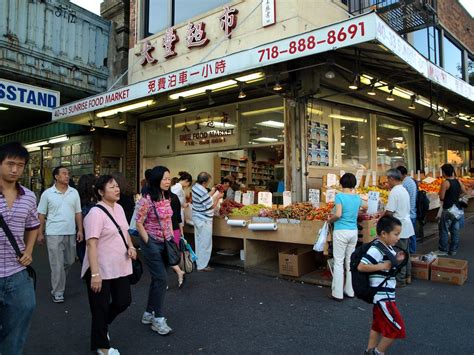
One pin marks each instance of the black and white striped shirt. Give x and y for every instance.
(202, 203)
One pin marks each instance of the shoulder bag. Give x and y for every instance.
(173, 255)
(186, 263)
(11, 238)
(137, 266)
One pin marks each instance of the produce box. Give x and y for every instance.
(296, 262)
(369, 230)
(452, 271)
(420, 269)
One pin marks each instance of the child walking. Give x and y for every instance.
(387, 323)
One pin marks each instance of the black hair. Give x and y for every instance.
(402, 170)
(203, 177)
(56, 171)
(100, 185)
(185, 176)
(153, 187)
(13, 150)
(85, 187)
(147, 174)
(348, 181)
(471, 170)
(447, 169)
(226, 180)
(387, 224)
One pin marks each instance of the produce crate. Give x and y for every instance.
(452, 271)
(296, 262)
(420, 269)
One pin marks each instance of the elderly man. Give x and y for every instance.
(398, 206)
(203, 213)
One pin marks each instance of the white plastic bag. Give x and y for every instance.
(322, 238)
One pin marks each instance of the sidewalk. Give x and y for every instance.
(229, 311)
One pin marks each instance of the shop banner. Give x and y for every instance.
(344, 34)
(27, 96)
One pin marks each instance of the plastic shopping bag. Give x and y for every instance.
(322, 238)
(132, 229)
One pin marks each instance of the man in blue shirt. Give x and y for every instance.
(410, 185)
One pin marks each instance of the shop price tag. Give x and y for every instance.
(418, 176)
(429, 180)
(373, 202)
(374, 178)
(246, 199)
(331, 180)
(330, 195)
(238, 196)
(359, 175)
(314, 197)
(251, 196)
(265, 198)
(367, 178)
(286, 198)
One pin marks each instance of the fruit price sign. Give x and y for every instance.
(373, 202)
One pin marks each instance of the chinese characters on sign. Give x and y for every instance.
(268, 12)
(195, 37)
(228, 21)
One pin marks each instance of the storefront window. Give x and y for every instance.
(394, 144)
(161, 14)
(426, 41)
(157, 136)
(441, 147)
(351, 138)
(262, 122)
(452, 57)
(435, 154)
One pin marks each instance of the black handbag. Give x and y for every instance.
(11, 238)
(173, 255)
(137, 267)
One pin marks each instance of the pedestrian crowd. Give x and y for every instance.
(93, 224)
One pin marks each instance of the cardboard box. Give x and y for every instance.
(369, 230)
(420, 269)
(452, 271)
(296, 262)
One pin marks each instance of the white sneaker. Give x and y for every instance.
(111, 351)
(147, 318)
(58, 298)
(440, 253)
(159, 325)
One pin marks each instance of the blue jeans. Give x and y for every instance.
(412, 243)
(154, 254)
(17, 303)
(448, 225)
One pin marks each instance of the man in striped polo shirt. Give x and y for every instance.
(203, 213)
(18, 208)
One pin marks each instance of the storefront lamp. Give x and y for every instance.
(390, 96)
(372, 90)
(242, 94)
(412, 104)
(182, 107)
(125, 108)
(467, 126)
(3, 108)
(58, 140)
(277, 87)
(271, 124)
(454, 121)
(355, 84)
(266, 140)
(37, 144)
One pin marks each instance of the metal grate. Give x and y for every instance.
(402, 15)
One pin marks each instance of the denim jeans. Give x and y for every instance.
(412, 243)
(154, 253)
(17, 303)
(448, 225)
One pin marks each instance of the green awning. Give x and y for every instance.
(42, 132)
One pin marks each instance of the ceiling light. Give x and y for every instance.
(242, 94)
(441, 115)
(372, 90)
(464, 118)
(454, 121)
(329, 75)
(348, 118)
(37, 144)
(125, 108)
(277, 109)
(412, 104)
(106, 125)
(266, 140)
(3, 108)
(355, 83)
(92, 128)
(122, 121)
(209, 97)
(227, 84)
(277, 86)
(390, 97)
(251, 77)
(58, 139)
(182, 107)
(393, 127)
(271, 124)
(467, 126)
(314, 111)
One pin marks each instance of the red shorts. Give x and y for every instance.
(388, 321)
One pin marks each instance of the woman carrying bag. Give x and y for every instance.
(344, 236)
(154, 225)
(107, 264)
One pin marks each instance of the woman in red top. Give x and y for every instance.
(154, 226)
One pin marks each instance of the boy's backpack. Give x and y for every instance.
(360, 280)
(422, 205)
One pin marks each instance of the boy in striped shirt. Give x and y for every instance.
(387, 324)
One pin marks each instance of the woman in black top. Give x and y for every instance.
(449, 193)
(85, 187)
(177, 233)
